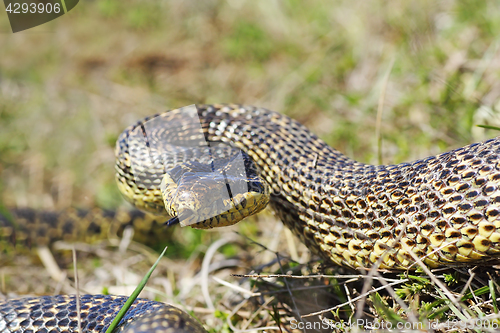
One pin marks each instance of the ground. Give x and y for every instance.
(383, 82)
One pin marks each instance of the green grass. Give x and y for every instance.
(68, 88)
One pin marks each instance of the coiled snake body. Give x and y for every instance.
(443, 209)
(59, 314)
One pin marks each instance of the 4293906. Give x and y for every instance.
(23, 8)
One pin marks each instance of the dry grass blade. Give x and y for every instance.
(77, 287)
(364, 295)
(380, 110)
(441, 286)
(50, 264)
(134, 295)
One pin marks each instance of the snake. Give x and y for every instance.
(442, 209)
(210, 166)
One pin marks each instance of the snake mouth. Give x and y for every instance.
(186, 213)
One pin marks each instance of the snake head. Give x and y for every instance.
(206, 200)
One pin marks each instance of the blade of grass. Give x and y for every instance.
(384, 310)
(134, 295)
(478, 292)
(77, 286)
(489, 127)
(452, 306)
(64, 6)
(493, 296)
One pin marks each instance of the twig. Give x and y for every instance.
(77, 286)
(355, 299)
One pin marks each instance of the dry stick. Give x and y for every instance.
(485, 303)
(373, 270)
(419, 262)
(266, 248)
(273, 244)
(295, 308)
(356, 298)
(391, 291)
(435, 251)
(456, 310)
(365, 292)
(290, 241)
(352, 276)
(469, 322)
(126, 239)
(366, 286)
(492, 286)
(467, 285)
(482, 67)
(348, 294)
(283, 290)
(378, 139)
(257, 312)
(50, 263)
(476, 299)
(380, 109)
(247, 293)
(433, 277)
(77, 286)
(237, 308)
(205, 269)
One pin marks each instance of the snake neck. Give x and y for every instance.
(444, 208)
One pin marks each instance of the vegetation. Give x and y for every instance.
(69, 87)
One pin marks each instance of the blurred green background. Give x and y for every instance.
(69, 87)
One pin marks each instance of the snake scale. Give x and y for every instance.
(444, 209)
